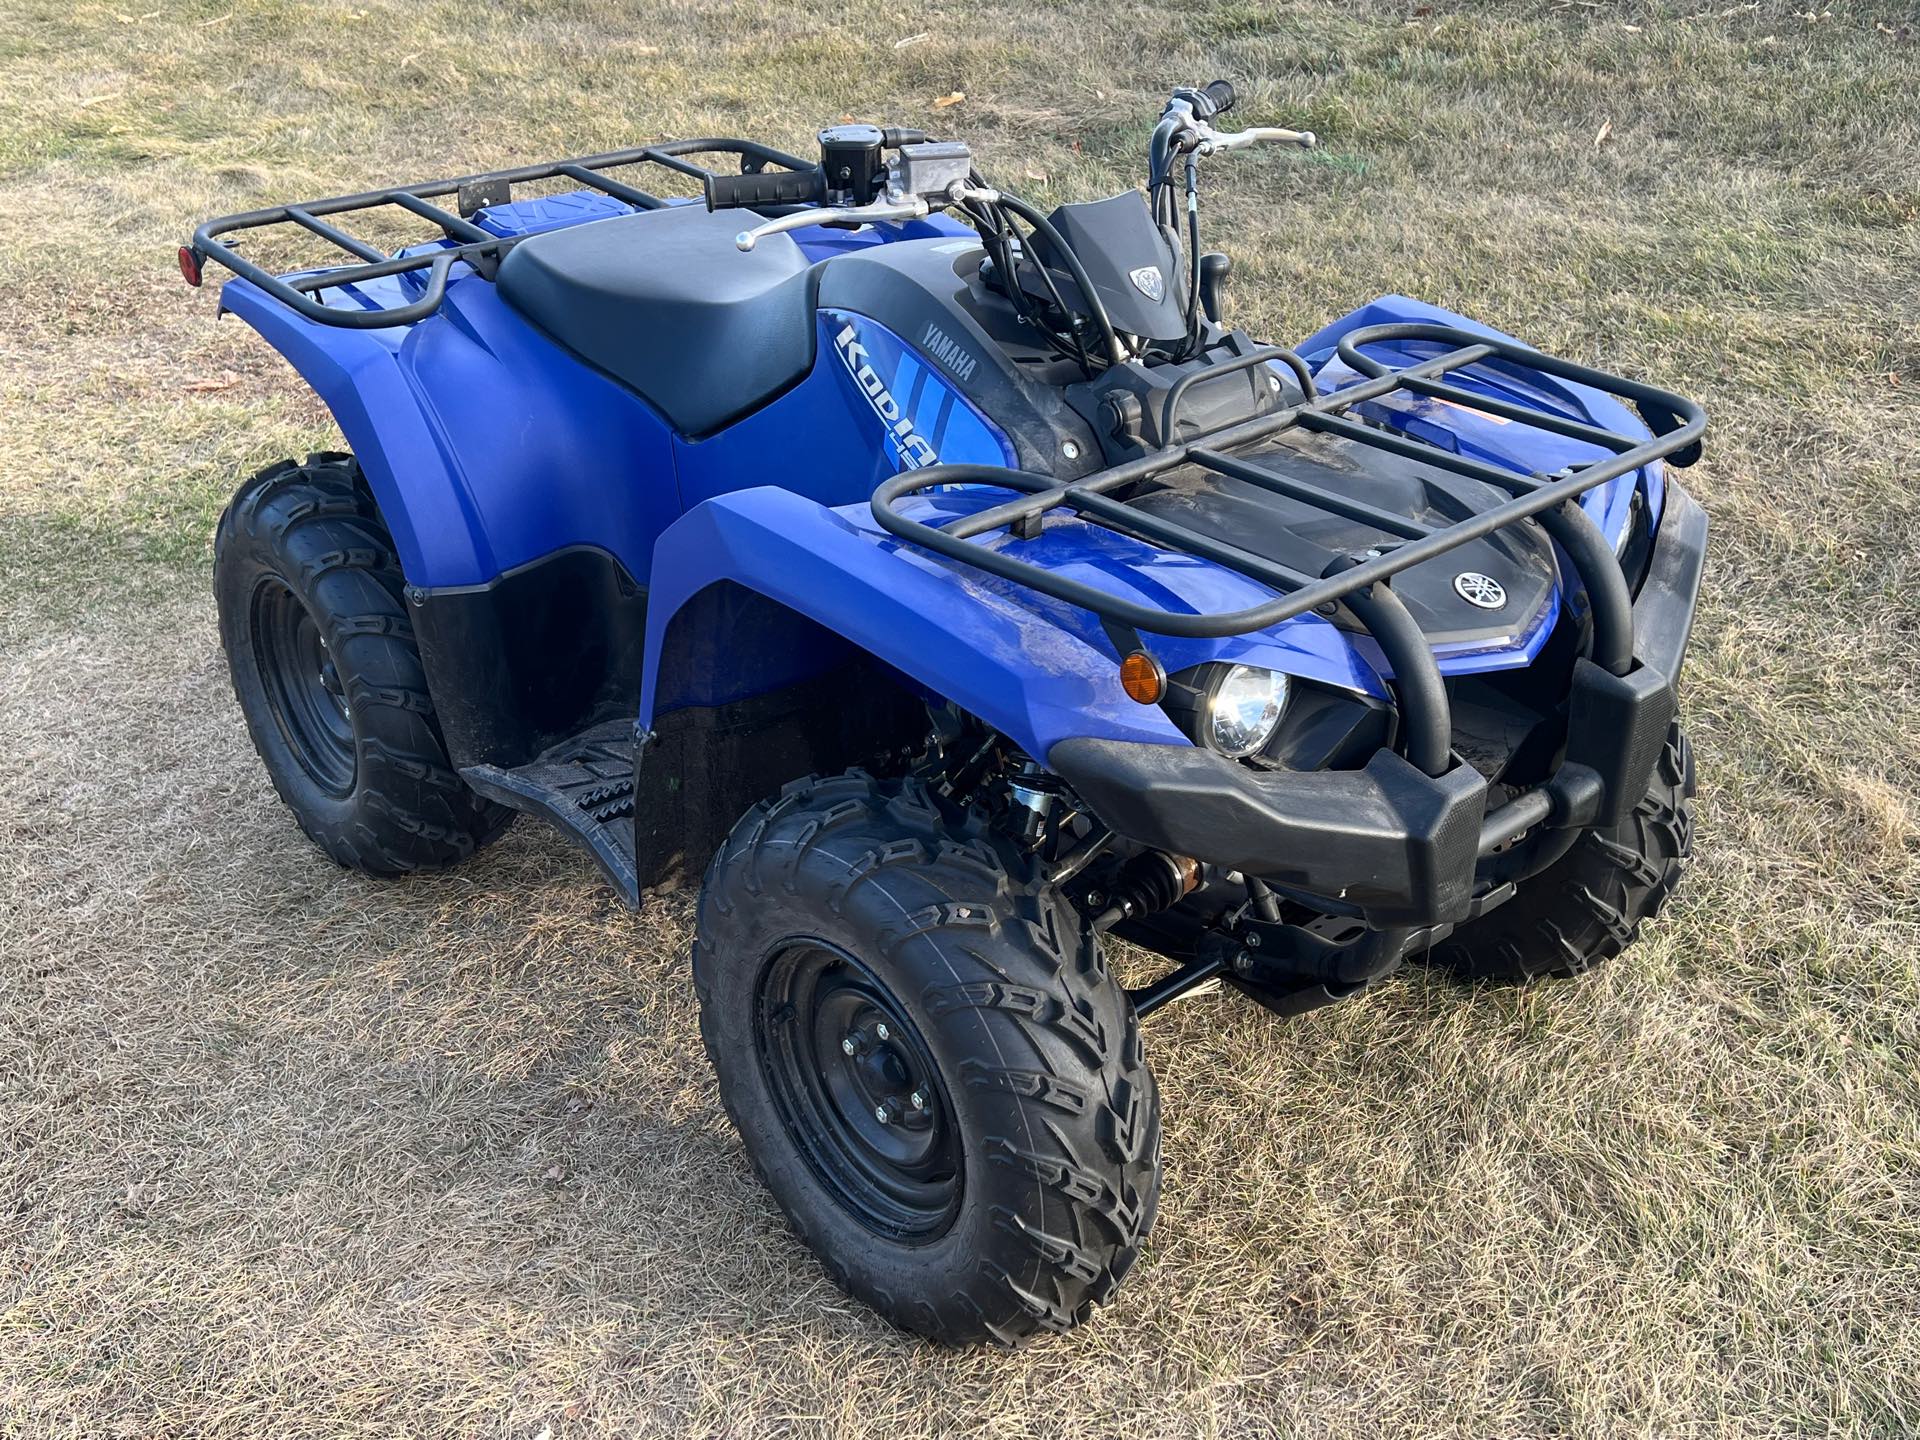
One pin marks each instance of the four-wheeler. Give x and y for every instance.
(960, 588)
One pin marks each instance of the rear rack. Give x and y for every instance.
(1676, 423)
(479, 248)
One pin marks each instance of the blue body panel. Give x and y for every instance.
(489, 446)
(1035, 683)
(1487, 437)
(486, 444)
(846, 446)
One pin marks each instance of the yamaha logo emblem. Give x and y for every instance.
(1148, 281)
(1479, 590)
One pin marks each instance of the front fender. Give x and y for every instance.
(1520, 448)
(1028, 678)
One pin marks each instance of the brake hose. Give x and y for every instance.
(1163, 134)
(996, 232)
(1073, 330)
(1192, 345)
(1043, 227)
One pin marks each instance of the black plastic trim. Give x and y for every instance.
(1387, 842)
(1670, 593)
(537, 654)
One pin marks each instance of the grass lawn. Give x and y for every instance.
(285, 1151)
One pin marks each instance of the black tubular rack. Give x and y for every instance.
(1426, 724)
(479, 248)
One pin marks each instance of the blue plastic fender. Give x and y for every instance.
(1487, 437)
(1034, 669)
(1026, 677)
(485, 443)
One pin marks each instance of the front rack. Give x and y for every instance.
(479, 248)
(1677, 424)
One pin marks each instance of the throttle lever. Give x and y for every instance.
(907, 207)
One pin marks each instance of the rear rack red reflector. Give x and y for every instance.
(189, 265)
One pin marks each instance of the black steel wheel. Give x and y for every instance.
(927, 1059)
(859, 1091)
(324, 665)
(303, 686)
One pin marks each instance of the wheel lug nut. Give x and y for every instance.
(918, 1100)
(882, 1031)
(847, 1047)
(883, 1113)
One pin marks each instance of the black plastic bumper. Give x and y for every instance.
(1389, 842)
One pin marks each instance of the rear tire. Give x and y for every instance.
(314, 620)
(860, 948)
(1588, 906)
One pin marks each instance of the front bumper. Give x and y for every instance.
(1388, 842)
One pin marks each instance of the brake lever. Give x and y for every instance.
(1212, 140)
(908, 207)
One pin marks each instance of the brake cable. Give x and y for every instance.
(999, 235)
(1096, 307)
(1192, 345)
(1073, 330)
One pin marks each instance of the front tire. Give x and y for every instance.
(1588, 906)
(928, 1061)
(328, 675)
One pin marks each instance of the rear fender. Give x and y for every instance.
(359, 375)
(486, 445)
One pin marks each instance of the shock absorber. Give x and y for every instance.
(1034, 791)
(1149, 882)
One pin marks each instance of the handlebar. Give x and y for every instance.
(769, 187)
(1184, 129)
(1215, 98)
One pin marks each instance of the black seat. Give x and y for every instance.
(666, 304)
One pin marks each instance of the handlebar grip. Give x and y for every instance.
(769, 187)
(1220, 92)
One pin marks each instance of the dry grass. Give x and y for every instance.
(285, 1151)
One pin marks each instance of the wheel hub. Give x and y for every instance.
(303, 686)
(859, 1092)
(330, 682)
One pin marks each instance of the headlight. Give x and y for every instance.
(1244, 710)
(1635, 510)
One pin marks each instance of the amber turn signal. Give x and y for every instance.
(1142, 678)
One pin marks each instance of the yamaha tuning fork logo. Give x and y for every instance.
(1482, 591)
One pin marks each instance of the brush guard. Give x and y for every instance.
(1415, 822)
(462, 240)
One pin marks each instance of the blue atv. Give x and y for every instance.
(958, 587)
